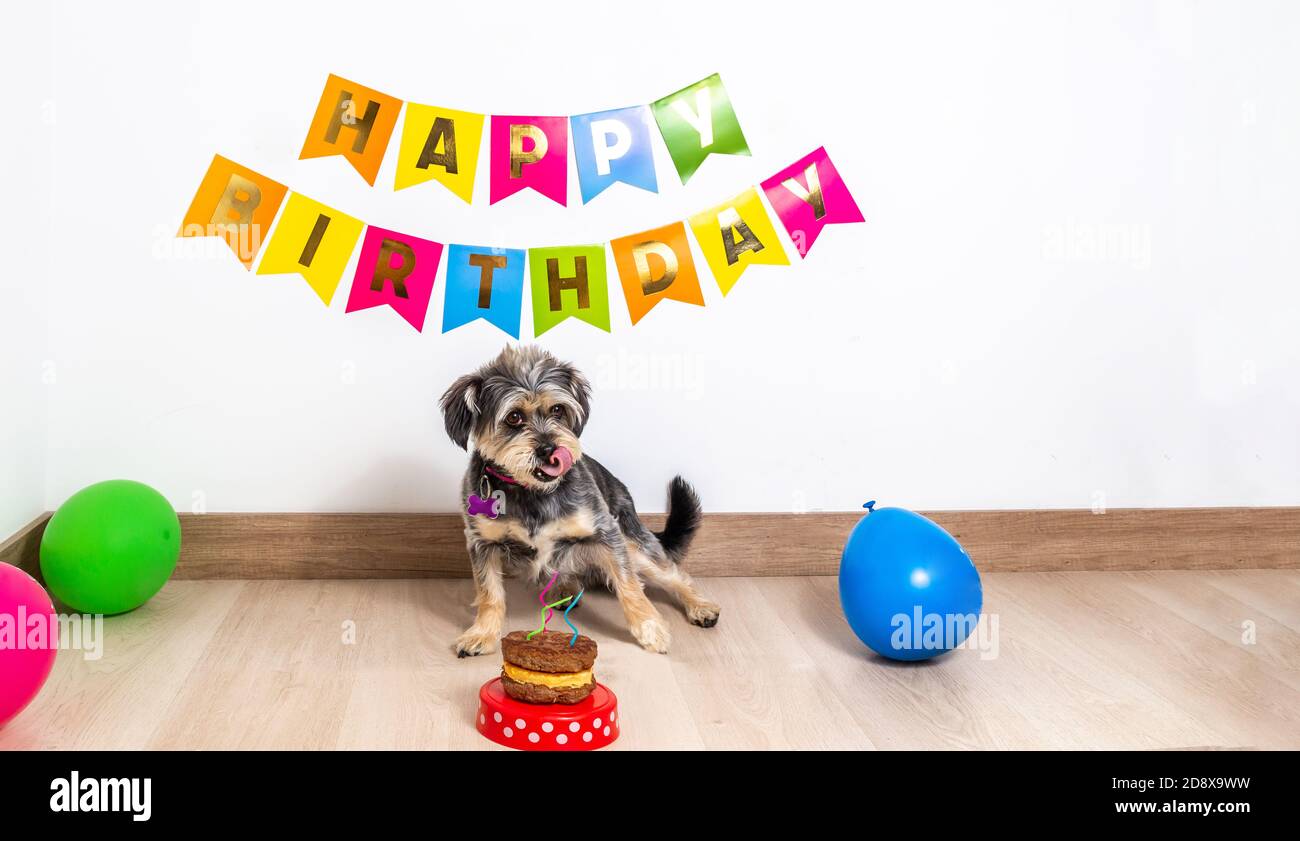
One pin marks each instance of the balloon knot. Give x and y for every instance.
(870, 505)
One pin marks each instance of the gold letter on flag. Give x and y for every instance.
(656, 266)
(353, 121)
(439, 144)
(735, 235)
(236, 204)
(313, 240)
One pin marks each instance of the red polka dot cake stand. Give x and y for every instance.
(587, 725)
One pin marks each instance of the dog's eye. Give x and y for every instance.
(515, 419)
(557, 411)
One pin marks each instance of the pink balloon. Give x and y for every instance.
(29, 639)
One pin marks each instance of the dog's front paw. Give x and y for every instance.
(703, 613)
(653, 635)
(473, 643)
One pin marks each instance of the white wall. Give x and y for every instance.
(972, 346)
(25, 364)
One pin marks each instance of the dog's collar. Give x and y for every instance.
(509, 480)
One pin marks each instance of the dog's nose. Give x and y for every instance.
(545, 450)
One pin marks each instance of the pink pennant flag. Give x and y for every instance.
(807, 196)
(529, 152)
(398, 270)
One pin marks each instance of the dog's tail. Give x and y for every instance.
(684, 514)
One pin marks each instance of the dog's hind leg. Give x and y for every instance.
(643, 620)
(489, 599)
(670, 577)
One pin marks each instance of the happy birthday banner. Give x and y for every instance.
(442, 144)
(399, 270)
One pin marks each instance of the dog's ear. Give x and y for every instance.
(578, 386)
(460, 408)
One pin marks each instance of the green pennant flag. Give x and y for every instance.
(568, 280)
(698, 121)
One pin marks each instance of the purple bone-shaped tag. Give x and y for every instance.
(492, 507)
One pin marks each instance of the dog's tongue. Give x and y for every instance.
(561, 461)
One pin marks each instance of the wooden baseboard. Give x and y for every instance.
(433, 546)
(23, 548)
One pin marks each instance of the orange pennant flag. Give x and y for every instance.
(236, 204)
(353, 121)
(656, 266)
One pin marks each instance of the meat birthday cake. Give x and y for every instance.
(547, 697)
(547, 669)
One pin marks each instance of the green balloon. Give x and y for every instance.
(111, 547)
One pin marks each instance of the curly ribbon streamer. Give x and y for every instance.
(541, 597)
(576, 599)
(547, 613)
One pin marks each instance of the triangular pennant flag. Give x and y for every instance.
(698, 121)
(398, 270)
(568, 281)
(529, 152)
(353, 121)
(236, 204)
(654, 266)
(735, 235)
(441, 145)
(313, 240)
(486, 283)
(807, 196)
(610, 146)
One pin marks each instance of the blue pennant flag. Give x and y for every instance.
(613, 146)
(486, 283)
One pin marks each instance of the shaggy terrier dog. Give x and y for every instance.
(535, 504)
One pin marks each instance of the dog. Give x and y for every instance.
(536, 505)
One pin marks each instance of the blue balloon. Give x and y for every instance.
(907, 587)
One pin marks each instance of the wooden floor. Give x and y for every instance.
(1084, 660)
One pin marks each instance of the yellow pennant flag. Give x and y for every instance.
(313, 240)
(442, 145)
(736, 235)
